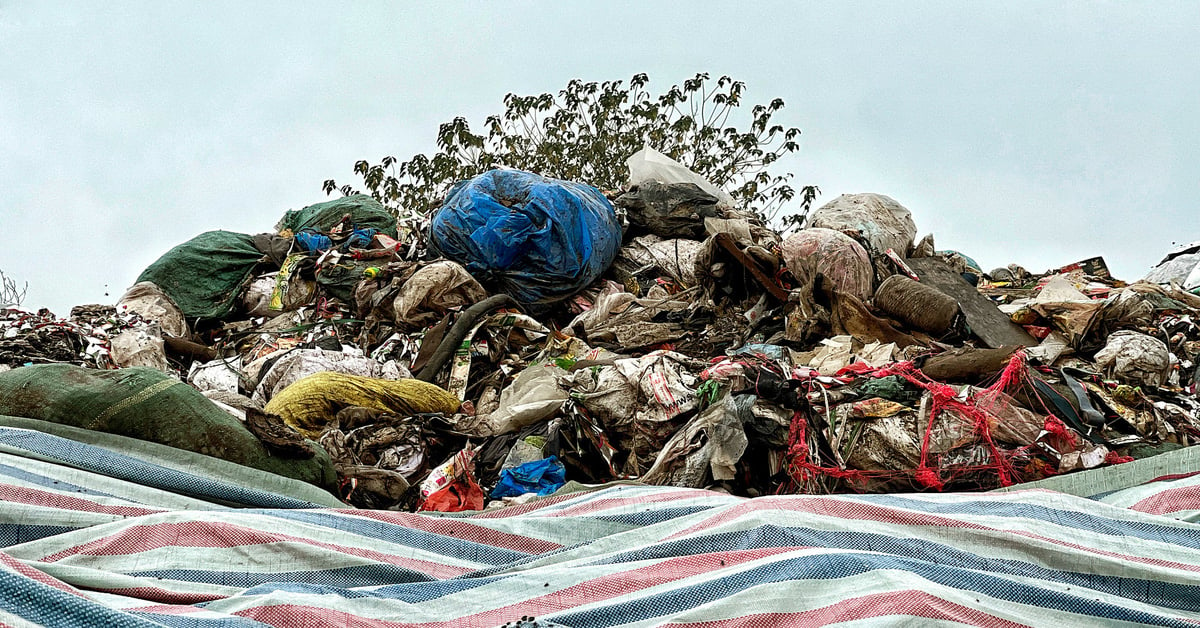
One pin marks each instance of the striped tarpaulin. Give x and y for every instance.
(86, 544)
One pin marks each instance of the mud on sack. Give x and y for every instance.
(536, 239)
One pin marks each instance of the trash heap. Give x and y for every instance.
(533, 332)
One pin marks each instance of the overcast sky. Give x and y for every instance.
(1039, 133)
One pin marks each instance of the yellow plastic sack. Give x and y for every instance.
(312, 403)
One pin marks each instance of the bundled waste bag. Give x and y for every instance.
(540, 476)
(313, 402)
(539, 240)
(833, 254)
(150, 405)
(1135, 357)
(432, 291)
(148, 301)
(875, 219)
(675, 210)
(365, 213)
(205, 275)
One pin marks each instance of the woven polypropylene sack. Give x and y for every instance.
(150, 405)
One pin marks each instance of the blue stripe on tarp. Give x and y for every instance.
(14, 533)
(440, 544)
(666, 603)
(45, 605)
(191, 621)
(123, 467)
(1171, 595)
(650, 517)
(412, 592)
(48, 482)
(357, 576)
(1180, 534)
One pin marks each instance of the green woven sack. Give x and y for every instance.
(150, 405)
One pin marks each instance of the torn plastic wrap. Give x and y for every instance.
(709, 445)
(142, 346)
(668, 209)
(639, 402)
(534, 395)
(1068, 310)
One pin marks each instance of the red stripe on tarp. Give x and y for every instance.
(1171, 476)
(594, 590)
(164, 609)
(142, 538)
(50, 499)
(33, 574)
(163, 596)
(1170, 501)
(911, 603)
(516, 510)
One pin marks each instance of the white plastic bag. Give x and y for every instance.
(650, 165)
(140, 347)
(534, 395)
(223, 375)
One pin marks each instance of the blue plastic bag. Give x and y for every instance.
(310, 240)
(539, 240)
(540, 476)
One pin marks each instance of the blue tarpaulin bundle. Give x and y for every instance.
(539, 240)
(540, 476)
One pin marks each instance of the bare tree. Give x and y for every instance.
(10, 295)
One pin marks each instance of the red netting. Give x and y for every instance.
(971, 418)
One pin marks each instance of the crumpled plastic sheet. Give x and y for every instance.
(676, 257)
(534, 395)
(434, 290)
(714, 440)
(223, 374)
(542, 477)
(141, 346)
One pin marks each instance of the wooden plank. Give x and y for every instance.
(986, 321)
(727, 242)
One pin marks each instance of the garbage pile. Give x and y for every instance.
(534, 331)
